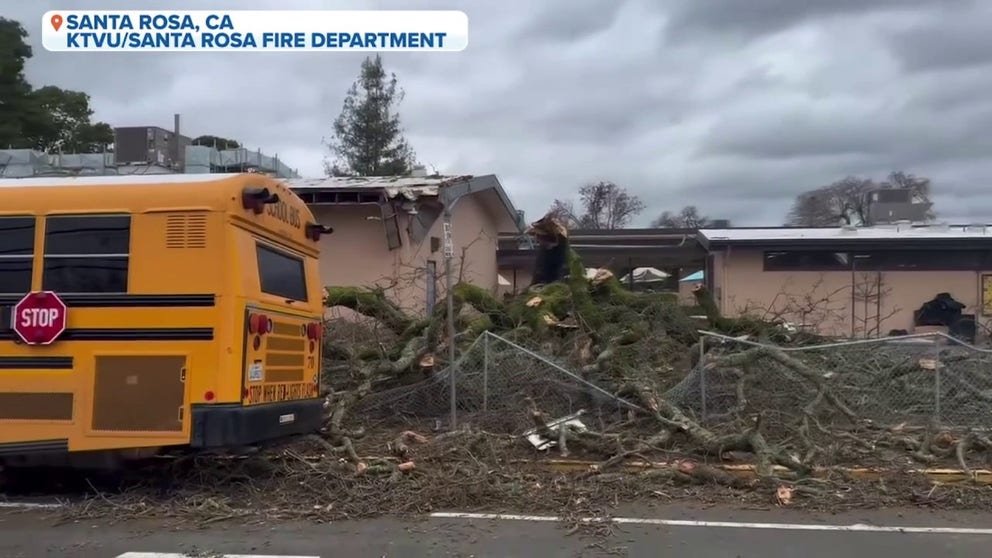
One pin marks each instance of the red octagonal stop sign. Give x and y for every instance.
(39, 318)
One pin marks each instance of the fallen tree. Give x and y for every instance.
(671, 413)
(788, 414)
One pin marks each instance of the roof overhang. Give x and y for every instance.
(450, 192)
(850, 244)
(447, 190)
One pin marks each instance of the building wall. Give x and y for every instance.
(357, 253)
(823, 299)
(685, 292)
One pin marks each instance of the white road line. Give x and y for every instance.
(28, 505)
(855, 527)
(178, 555)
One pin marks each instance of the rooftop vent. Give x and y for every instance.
(975, 228)
(418, 171)
(720, 224)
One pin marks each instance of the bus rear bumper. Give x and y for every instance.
(223, 425)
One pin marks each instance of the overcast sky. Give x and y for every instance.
(732, 105)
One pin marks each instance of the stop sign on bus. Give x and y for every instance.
(39, 318)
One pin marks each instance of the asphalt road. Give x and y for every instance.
(720, 533)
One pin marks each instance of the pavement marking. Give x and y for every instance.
(28, 505)
(855, 527)
(179, 555)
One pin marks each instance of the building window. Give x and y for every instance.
(919, 260)
(280, 274)
(16, 254)
(876, 260)
(807, 260)
(87, 253)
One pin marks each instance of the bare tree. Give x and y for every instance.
(844, 201)
(687, 218)
(847, 201)
(603, 205)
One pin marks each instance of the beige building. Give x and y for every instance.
(862, 282)
(389, 233)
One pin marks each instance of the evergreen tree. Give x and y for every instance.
(368, 138)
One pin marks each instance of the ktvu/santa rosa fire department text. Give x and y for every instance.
(153, 31)
(254, 30)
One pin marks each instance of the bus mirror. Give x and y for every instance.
(315, 230)
(256, 198)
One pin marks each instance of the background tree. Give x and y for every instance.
(62, 122)
(603, 205)
(48, 118)
(846, 201)
(14, 89)
(216, 142)
(368, 138)
(687, 218)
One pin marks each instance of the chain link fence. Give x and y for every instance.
(497, 381)
(911, 380)
(894, 382)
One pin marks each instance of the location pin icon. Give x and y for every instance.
(56, 21)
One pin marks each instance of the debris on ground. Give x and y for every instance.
(652, 389)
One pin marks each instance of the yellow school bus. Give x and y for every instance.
(192, 315)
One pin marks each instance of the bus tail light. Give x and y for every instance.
(315, 331)
(259, 323)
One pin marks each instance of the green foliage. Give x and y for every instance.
(368, 138)
(49, 118)
(216, 142)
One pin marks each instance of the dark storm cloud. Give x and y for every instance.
(954, 41)
(751, 18)
(734, 106)
(582, 18)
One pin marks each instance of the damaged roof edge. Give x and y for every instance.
(452, 191)
(448, 189)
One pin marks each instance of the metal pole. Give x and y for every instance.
(936, 394)
(485, 372)
(450, 300)
(702, 377)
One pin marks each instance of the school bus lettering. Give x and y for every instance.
(277, 393)
(285, 213)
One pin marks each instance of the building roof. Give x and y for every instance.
(446, 188)
(411, 187)
(112, 179)
(697, 276)
(906, 235)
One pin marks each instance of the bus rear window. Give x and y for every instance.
(16, 254)
(280, 274)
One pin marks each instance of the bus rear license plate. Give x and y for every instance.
(256, 372)
(287, 419)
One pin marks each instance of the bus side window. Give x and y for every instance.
(16, 254)
(87, 253)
